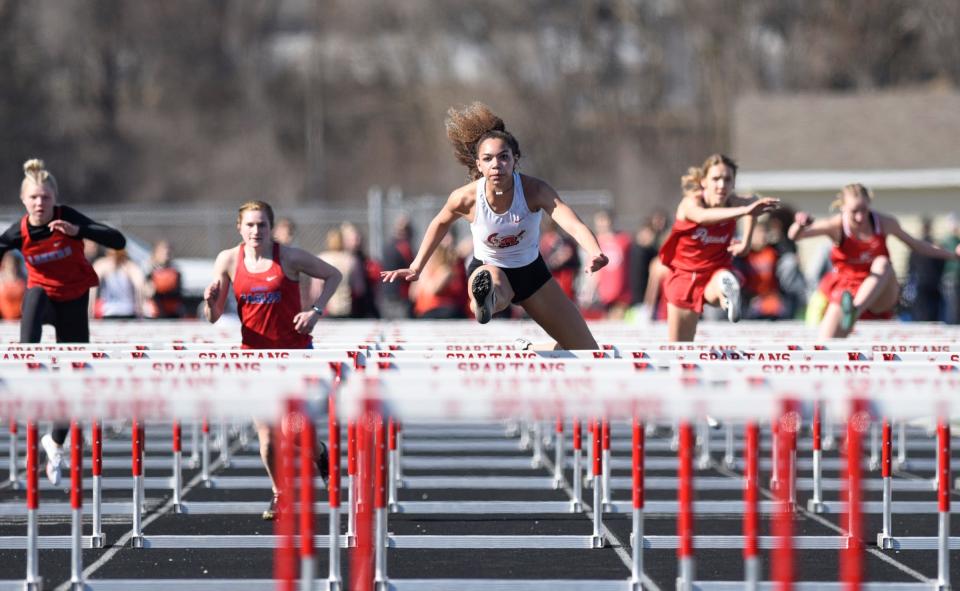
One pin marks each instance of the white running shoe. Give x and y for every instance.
(522, 344)
(730, 288)
(54, 454)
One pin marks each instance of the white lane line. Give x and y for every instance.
(121, 543)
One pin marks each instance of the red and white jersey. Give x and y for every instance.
(853, 255)
(57, 264)
(267, 303)
(694, 247)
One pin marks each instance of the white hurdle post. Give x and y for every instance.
(351, 483)
(136, 539)
(729, 456)
(225, 444)
(97, 538)
(398, 444)
(902, 445)
(885, 535)
(76, 507)
(636, 578)
(815, 504)
(177, 468)
(537, 460)
(874, 446)
(558, 455)
(334, 579)
(943, 494)
(576, 504)
(205, 453)
(393, 464)
(194, 444)
(12, 478)
(32, 582)
(597, 538)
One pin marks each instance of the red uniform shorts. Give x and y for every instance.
(684, 289)
(834, 284)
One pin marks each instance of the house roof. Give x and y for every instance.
(902, 131)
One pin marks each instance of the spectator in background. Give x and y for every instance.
(363, 296)
(441, 291)
(642, 252)
(285, 232)
(164, 287)
(923, 280)
(120, 293)
(613, 281)
(13, 284)
(339, 305)
(398, 254)
(951, 273)
(561, 256)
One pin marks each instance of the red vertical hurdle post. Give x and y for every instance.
(605, 433)
(381, 476)
(205, 453)
(362, 561)
(285, 523)
(597, 538)
(97, 537)
(136, 539)
(783, 521)
(334, 580)
(308, 451)
(636, 579)
(686, 566)
(815, 504)
(398, 468)
(576, 504)
(12, 478)
(851, 565)
(351, 483)
(558, 455)
(76, 507)
(943, 497)
(751, 518)
(885, 537)
(32, 580)
(393, 464)
(177, 467)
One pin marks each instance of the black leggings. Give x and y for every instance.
(69, 320)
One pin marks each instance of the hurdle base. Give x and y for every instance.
(597, 542)
(350, 541)
(704, 463)
(884, 541)
(208, 483)
(98, 541)
(136, 542)
(576, 507)
(816, 506)
(178, 508)
(557, 483)
(34, 585)
(333, 586)
(78, 586)
(14, 484)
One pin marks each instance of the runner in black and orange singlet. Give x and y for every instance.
(700, 248)
(59, 278)
(266, 282)
(862, 283)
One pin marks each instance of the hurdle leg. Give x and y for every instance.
(12, 478)
(729, 456)
(884, 538)
(524, 435)
(224, 444)
(588, 468)
(703, 461)
(943, 494)
(685, 567)
(308, 443)
(205, 454)
(32, 581)
(636, 536)
(537, 437)
(194, 444)
(351, 483)
(902, 445)
(874, 447)
(392, 460)
(576, 504)
(334, 579)
(597, 538)
(76, 507)
(380, 508)
(829, 438)
(815, 504)
(558, 456)
(177, 468)
(398, 468)
(751, 519)
(605, 466)
(775, 456)
(136, 539)
(97, 538)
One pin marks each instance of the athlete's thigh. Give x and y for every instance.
(681, 323)
(830, 323)
(888, 298)
(559, 317)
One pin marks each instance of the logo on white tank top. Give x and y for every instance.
(497, 241)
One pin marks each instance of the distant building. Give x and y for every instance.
(802, 148)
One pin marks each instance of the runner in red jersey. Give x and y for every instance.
(265, 277)
(700, 248)
(862, 282)
(59, 278)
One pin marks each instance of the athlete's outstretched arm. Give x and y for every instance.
(691, 208)
(302, 261)
(455, 207)
(215, 295)
(547, 199)
(805, 226)
(892, 226)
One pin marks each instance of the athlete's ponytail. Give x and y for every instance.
(468, 127)
(34, 171)
(855, 189)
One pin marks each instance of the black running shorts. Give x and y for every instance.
(525, 280)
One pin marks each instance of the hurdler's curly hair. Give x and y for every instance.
(468, 127)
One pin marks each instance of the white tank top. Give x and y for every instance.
(508, 240)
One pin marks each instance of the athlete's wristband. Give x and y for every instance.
(317, 309)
